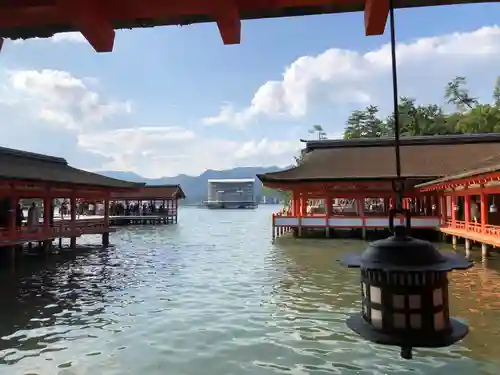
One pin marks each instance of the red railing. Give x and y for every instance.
(58, 229)
(487, 229)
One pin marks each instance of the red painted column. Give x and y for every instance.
(47, 211)
(443, 209)
(484, 210)
(106, 211)
(12, 216)
(328, 205)
(467, 210)
(301, 206)
(453, 210)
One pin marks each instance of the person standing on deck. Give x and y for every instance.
(474, 211)
(33, 216)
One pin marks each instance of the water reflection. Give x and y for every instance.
(214, 296)
(476, 298)
(72, 288)
(317, 289)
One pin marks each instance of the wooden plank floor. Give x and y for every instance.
(474, 236)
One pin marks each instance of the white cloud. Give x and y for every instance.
(73, 37)
(167, 151)
(336, 79)
(59, 99)
(348, 77)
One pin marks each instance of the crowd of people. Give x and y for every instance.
(135, 209)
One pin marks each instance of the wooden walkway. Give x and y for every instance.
(487, 234)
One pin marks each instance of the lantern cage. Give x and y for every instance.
(493, 207)
(404, 289)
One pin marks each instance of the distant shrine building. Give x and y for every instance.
(451, 184)
(231, 193)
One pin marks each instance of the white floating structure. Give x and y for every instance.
(231, 193)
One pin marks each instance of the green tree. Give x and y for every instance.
(417, 120)
(318, 131)
(496, 93)
(457, 93)
(366, 124)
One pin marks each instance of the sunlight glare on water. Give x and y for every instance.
(214, 296)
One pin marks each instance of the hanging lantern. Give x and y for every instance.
(493, 207)
(405, 292)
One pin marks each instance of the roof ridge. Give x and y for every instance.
(6, 151)
(449, 139)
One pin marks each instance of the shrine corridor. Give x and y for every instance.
(212, 295)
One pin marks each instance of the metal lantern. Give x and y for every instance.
(404, 289)
(493, 207)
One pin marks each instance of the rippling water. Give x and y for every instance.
(213, 296)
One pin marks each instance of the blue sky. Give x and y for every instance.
(153, 106)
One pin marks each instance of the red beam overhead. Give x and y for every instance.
(97, 19)
(376, 12)
(89, 18)
(228, 21)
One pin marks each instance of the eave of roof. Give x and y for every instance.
(247, 11)
(423, 158)
(404, 141)
(487, 166)
(29, 166)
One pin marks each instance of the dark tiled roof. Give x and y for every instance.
(485, 166)
(28, 166)
(153, 192)
(421, 157)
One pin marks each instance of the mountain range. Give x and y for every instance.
(195, 187)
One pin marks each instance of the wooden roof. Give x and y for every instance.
(151, 192)
(28, 166)
(484, 168)
(374, 159)
(97, 19)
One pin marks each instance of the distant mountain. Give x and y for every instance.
(195, 187)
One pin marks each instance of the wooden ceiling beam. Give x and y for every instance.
(228, 20)
(88, 17)
(376, 12)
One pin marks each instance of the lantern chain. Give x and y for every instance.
(398, 185)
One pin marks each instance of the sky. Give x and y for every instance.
(175, 100)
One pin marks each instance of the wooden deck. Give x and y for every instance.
(351, 222)
(487, 234)
(60, 229)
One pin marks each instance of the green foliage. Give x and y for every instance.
(470, 116)
(318, 130)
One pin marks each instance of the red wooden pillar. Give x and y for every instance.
(484, 210)
(295, 203)
(106, 211)
(453, 210)
(14, 200)
(328, 205)
(467, 210)
(47, 211)
(72, 205)
(443, 209)
(360, 202)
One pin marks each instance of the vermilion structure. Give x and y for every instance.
(98, 19)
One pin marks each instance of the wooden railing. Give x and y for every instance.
(61, 228)
(473, 227)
